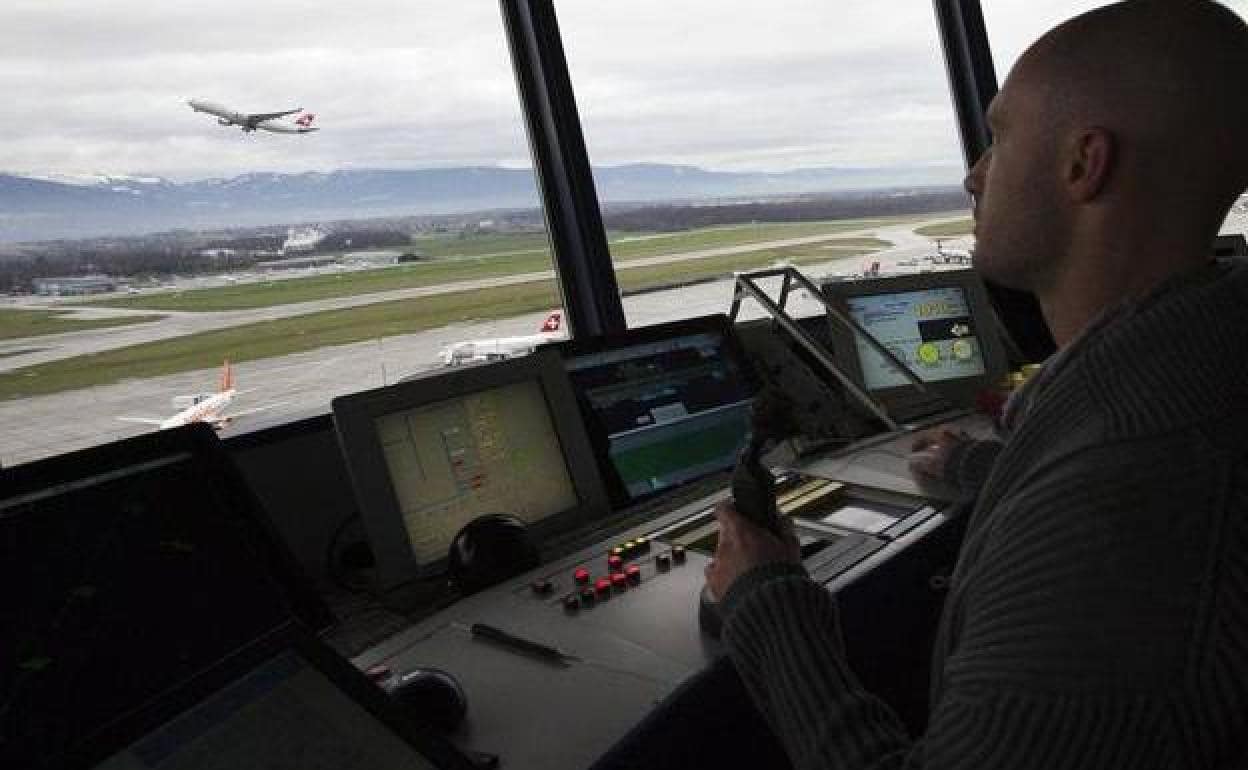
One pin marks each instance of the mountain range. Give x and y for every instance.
(45, 208)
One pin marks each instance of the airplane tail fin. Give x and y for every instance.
(227, 377)
(553, 322)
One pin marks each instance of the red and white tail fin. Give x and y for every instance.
(227, 377)
(305, 120)
(552, 323)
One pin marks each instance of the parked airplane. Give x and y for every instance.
(950, 256)
(203, 407)
(473, 351)
(252, 121)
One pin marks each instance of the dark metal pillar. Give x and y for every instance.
(582, 260)
(973, 84)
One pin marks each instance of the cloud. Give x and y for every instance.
(101, 86)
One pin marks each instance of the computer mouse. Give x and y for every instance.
(432, 695)
(489, 550)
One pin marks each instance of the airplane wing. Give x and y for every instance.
(260, 117)
(245, 412)
(144, 420)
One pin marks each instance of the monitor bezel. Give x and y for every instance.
(716, 323)
(200, 442)
(354, 423)
(961, 392)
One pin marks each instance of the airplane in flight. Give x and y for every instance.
(204, 407)
(267, 121)
(498, 348)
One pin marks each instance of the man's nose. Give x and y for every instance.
(974, 181)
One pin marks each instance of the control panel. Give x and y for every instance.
(621, 614)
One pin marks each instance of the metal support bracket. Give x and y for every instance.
(746, 285)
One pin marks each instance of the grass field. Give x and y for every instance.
(948, 229)
(465, 267)
(385, 319)
(17, 324)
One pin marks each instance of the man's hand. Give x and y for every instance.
(931, 450)
(744, 546)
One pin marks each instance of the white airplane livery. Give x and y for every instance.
(203, 407)
(266, 121)
(474, 351)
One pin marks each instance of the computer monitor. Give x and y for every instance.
(939, 324)
(132, 568)
(663, 405)
(428, 456)
(288, 701)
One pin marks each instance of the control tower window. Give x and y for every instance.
(388, 224)
(733, 137)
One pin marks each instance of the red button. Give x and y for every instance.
(581, 576)
(603, 586)
(614, 562)
(619, 580)
(634, 574)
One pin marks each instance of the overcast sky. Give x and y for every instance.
(92, 86)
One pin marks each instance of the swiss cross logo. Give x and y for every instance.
(305, 119)
(552, 323)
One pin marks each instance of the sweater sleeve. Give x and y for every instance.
(783, 634)
(1047, 666)
(970, 463)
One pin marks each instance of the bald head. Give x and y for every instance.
(1118, 148)
(1169, 80)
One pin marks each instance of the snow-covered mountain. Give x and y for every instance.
(52, 206)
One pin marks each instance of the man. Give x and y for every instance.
(1099, 612)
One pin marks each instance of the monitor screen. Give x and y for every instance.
(137, 571)
(428, 456)
(663, 404)
(931, 330)
(939, 324)
(484, 452)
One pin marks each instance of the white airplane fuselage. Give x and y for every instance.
(205, 410)
(474, 351)
(225, 116)
(249, 122)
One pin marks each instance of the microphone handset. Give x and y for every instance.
(753, 488)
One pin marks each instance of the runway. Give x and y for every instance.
(19, 353)
(303, 384)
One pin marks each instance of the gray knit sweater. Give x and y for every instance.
(1098, 616)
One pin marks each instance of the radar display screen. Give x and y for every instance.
(493, 451)
(429, 455)
(932, 331)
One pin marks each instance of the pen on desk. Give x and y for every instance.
(520, 644)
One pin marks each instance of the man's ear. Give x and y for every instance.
(1093, 153)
